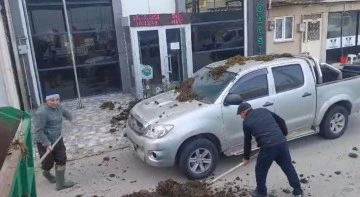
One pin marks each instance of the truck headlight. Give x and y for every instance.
(157, 130)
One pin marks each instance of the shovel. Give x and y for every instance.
(229, 171)
(48, 152)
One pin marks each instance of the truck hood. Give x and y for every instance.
(163, 107)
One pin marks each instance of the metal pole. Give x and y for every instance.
(27, 81)
(80, 104)
(193, 6)
(245, 10)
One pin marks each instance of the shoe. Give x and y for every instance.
(299, 195)
(60, 179)
(51, 178)
(255, 193)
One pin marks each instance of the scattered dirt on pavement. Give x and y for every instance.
(338, 172)
(107, 158)
(171, 188)
(286, 191)
(120, 119)
(353, 155)
(112, 175)
(355, 149)
(304, 181)
(175, 105)
(107, 105)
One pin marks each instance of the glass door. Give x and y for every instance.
(175, 51)
(167, 50)
(178, 53)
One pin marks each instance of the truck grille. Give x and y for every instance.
(135, 125)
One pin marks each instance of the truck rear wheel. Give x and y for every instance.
(198, 159)
(335, 122)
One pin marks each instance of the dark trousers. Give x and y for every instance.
(58, 155)
(281, 155)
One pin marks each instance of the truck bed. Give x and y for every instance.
(347, 72)
(333, 89)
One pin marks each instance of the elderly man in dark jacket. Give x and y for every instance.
(48, 125)
(269, 131)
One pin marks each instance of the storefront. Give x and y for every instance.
(343, 35)
(83, 48)
(75, 46)
(163, 42)
(173, 46)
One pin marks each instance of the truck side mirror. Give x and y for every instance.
(232, 99)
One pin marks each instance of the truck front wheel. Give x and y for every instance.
(334, 123)
(198, 159)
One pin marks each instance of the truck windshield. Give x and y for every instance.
(208, 89)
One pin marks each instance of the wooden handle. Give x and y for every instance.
(48, 152)
(227, 172)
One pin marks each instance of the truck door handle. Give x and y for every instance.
(306, 94)
(267, 104)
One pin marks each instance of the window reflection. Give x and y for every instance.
(48, 19)
(43, 1)
(52, 51)
(95, 47)
(204, 58)
(63, 81)
(213, 5)
(99, 79)
(217, 36)
(90, 17)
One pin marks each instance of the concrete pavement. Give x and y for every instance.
(324, 166)
(93, 133)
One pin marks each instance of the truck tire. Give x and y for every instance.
(335, 122)
(198, 159)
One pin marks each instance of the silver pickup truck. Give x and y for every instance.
(311, 97)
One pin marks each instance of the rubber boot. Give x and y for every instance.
(255, 193)
(51, 178)
(60, 179)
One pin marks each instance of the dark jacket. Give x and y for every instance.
(268, 129)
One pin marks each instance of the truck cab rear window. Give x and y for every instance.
(288, 77)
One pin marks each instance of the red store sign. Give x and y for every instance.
(149, 20)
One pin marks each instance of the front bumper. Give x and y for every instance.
(155, 152)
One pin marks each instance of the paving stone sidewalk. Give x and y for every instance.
(91, 134)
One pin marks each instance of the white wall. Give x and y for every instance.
(8, 91)
(133, 7)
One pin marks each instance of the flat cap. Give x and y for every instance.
(243, 107)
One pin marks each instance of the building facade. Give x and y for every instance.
(83, 48)
(328, 30)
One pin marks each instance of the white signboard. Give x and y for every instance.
(358, 40)
(175, 46)
(349, 41)
(333, 43)
(147, 72)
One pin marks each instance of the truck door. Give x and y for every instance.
(255, 89)
(295, 95)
